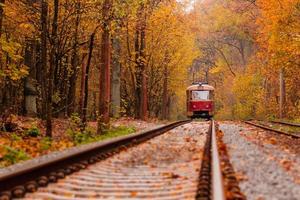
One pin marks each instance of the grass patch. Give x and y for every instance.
(45, 144)
(116, 132)
(12, 156)
(33, 132)
(89, 135)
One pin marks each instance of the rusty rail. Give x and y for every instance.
(272, 129)
(29, 178)
(286, 123)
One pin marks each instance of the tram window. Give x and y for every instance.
(200, 95)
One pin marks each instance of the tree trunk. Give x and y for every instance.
(30, 91)
(85, 82)
(137, 73)
(43, 57)
(141, 79)
(165, 94)
(1, 64)
(82, 86)
(1, 16)
(144, 96)
(115, 94)
(104, 96)
(74, 63)
(282, 94)
(53, 63)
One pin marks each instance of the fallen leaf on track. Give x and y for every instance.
(170, 175)
(133, 194)
(286, 164)
(241, 176)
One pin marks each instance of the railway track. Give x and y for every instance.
(293, 135)
(165, 163)
(285, 123)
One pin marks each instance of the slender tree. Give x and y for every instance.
(116, 70)
(2, 2)
(104, 97)
(85, 82)
(74, 62)
(53, 64)
(140, 58)
(43, 57)
(165, 93)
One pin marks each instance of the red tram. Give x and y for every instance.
(199, 101)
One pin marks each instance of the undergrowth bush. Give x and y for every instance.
(33, 132)
(81, 137)
(12, 156)
(46, 143)
(14, 138)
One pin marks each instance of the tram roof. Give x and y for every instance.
(200, 87)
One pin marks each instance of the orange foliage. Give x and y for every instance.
(279, 42)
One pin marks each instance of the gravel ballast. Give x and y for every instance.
(262, 175)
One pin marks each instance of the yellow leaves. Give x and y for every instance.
(61, 145)
(278, 38)
(248, 92)
(216, 70)
(27, 27)
(171, 44)
(15, 72)
(15, 69)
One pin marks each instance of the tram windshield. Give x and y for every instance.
(200, 95)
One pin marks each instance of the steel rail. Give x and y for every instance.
(272, 129)
(210, 179)
(285, 123)
(217, 179)
(28, 178)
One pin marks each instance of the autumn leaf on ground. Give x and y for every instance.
(240, 176)
(287, 164)
(260, 198)
(170, 175)
(133, 194)
(297, 180)
(272, 140)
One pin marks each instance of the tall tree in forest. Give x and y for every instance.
(140, 59)
(1, 15)
(165, 98)
(115, 82)
(43, 66)
(53, 64)
(104, 97)
(1, 22)
(85, 82)
(74, 62)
